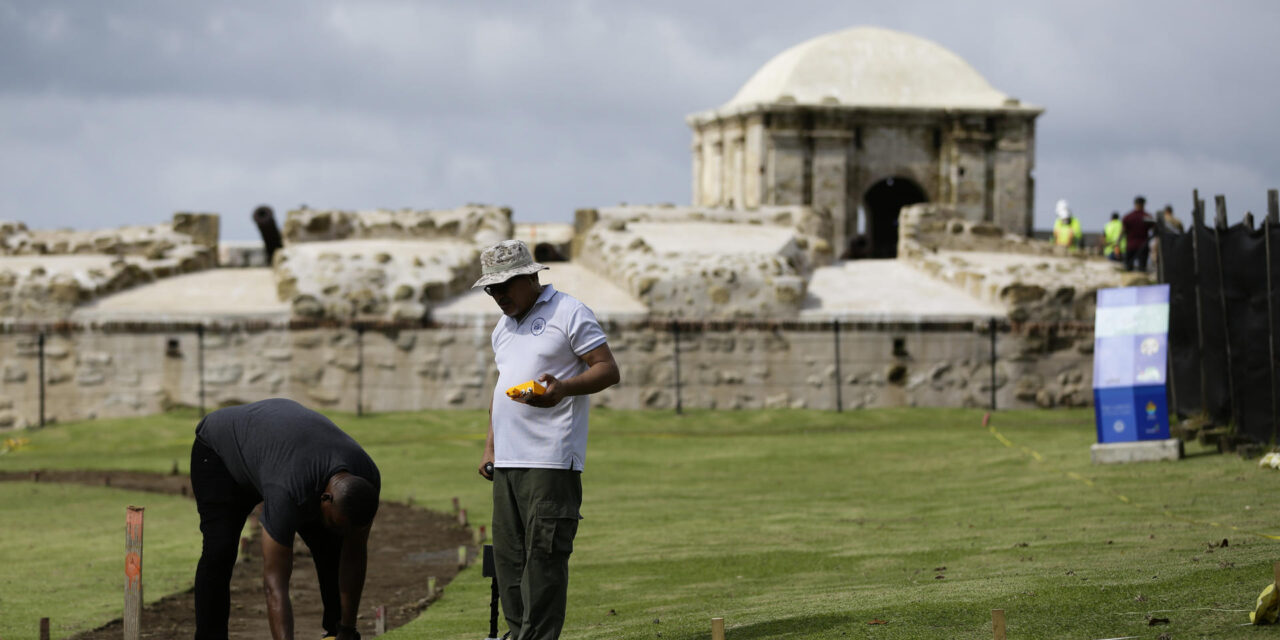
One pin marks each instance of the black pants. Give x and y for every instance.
(535, 519)
(223, 505)
(1136, 259)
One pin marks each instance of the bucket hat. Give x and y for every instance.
(504, 261)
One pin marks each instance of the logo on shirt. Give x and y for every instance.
(539, 325)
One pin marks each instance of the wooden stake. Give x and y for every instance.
(1275, 570)
(44, 629)
(379, 620)
(431, 586)
(717, 629)
(483, 534)
(133, 573)
(462, 556)
(462, 517)
(997, 624)
(456, 505)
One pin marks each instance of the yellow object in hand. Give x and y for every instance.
(530, 388)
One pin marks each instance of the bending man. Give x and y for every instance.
(312, 479)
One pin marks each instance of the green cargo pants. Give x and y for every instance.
(535, 518)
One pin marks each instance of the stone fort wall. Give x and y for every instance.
(141, 370)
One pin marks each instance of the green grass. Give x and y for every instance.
(789, 524)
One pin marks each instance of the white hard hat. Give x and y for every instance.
(1063, 210)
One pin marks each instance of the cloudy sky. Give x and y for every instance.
(116, 113)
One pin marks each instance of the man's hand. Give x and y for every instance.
(549, 398)
(486, 467)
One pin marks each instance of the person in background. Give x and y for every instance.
(1111, 233)
(1137, 233)
(1171, 221)
(1066, 229)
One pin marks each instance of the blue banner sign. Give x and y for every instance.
(1130, 356)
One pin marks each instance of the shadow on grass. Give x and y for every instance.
(796, 626)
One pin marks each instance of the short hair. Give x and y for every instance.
(1115, 215)
(1139, 200)
(357, 499)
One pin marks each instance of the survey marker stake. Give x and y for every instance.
(717, 629)
(462, 557)
(1275, 573)
(44, 629)
(133, 573)
(997, 624)
(379, 620)
(462, 517)
(431, 586)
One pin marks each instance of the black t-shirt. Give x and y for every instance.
(287, 453)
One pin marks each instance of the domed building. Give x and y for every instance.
(860, 123)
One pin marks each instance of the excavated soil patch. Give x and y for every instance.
(406, 546)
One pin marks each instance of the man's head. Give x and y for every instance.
(1115, 215)
(348, 502)
(1139, 203)
(1167, 211)
(510, 276)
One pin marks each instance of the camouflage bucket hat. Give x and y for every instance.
(506, 260)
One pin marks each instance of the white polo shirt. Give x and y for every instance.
(552, 338)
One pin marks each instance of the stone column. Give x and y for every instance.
(831, 181)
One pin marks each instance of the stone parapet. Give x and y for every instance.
(366, 279)
(479, 224)
(45, 274)
(391, 265)
(1034, 280)
(686, 262)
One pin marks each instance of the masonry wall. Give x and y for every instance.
(91, 374)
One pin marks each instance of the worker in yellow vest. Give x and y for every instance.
(1111, 247)
(1066, 230)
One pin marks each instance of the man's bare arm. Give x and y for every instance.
(351, 573)
(488, 457)
(277, 566)
(601, 373)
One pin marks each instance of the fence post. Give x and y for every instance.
(1269, 223)
(675, 349)
(835, 327)
(1220, 223)
(991, 325)
(200, 363)
(359, 369)
(40, 342)
(133, 573)
(1197, 221)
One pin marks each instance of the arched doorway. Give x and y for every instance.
(883, 201)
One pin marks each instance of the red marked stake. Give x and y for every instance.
(379, 621)
(717, 629)
(462, 517)
(986, 418)
(133, 573)
(997, 624)
(456, 505)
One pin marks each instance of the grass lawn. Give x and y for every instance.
(788, 524)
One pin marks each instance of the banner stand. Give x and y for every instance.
(1130, 362)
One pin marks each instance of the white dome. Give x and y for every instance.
(870, 67)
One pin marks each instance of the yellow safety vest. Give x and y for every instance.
(1111, 237)
(1066, 233)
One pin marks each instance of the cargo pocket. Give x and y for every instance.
(554, 527)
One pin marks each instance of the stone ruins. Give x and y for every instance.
(741, 300)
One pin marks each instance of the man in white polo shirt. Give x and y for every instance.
(537, 442)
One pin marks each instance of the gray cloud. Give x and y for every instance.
(120, 113)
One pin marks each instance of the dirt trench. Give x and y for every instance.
(406, 546)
